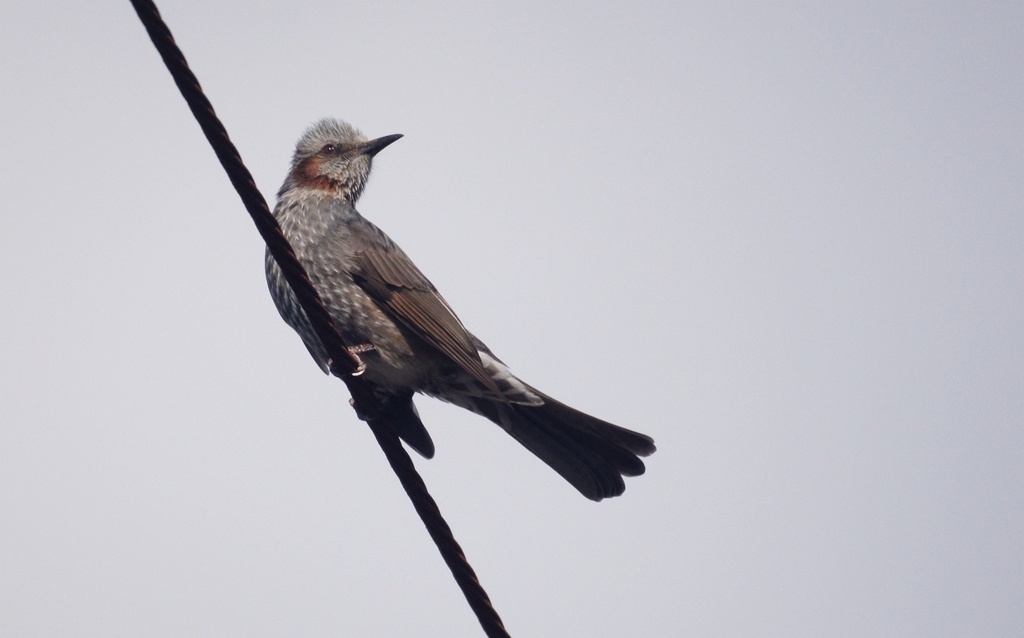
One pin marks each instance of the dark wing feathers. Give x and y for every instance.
(390, 265)
(391, 278)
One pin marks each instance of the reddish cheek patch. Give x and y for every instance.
(307, 174)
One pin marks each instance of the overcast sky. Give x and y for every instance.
(784, 239)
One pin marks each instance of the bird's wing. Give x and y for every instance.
(390, 278)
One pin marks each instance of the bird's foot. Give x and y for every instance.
(354, 351)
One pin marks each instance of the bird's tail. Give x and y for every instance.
(593, 455)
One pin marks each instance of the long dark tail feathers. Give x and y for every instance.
(593, 455)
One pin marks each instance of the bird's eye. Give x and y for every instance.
(328, 149)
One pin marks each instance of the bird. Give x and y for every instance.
(407, 337)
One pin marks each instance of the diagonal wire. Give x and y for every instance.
(344, 363)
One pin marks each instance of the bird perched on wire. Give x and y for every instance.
(406, 334)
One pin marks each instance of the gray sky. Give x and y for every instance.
(786, 242)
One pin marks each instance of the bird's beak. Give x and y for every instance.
(373, 147)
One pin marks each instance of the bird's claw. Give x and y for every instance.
(354, 351)
(360, 369)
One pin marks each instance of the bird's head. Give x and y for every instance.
(333, 156)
